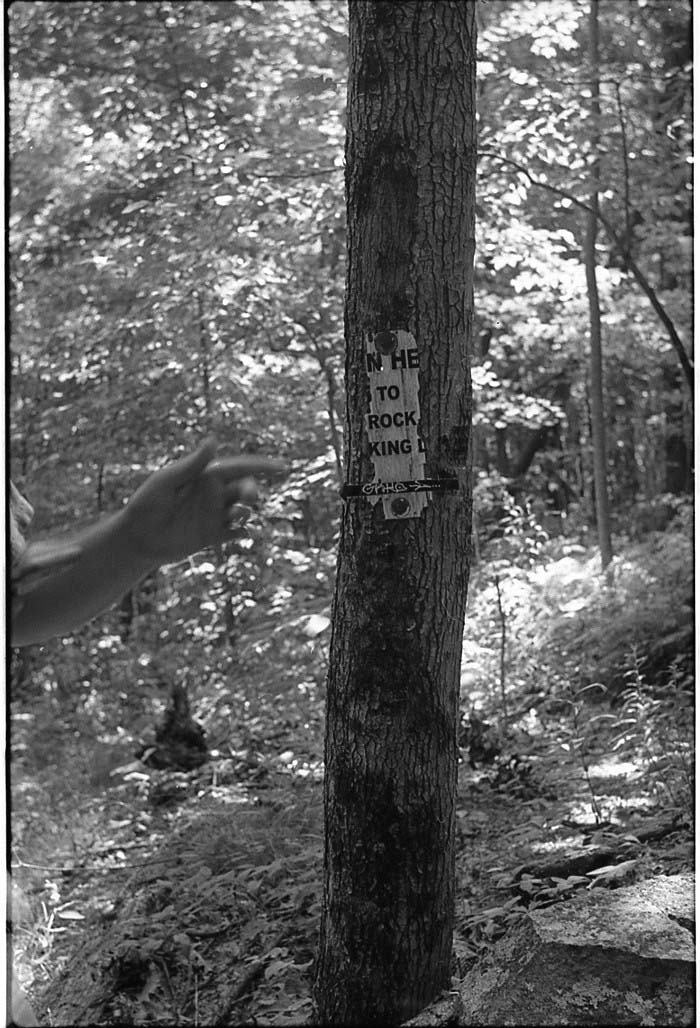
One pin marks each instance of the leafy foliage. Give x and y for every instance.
(176, 269)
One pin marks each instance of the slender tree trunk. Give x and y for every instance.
(100, 486)
(204, 360)
(502, 668)
(596, 395)
(331, 392)
(401, 587)
(331, 388)
(229, 616)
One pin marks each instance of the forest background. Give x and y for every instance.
(176, 263)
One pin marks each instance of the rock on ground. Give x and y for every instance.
(606, 958)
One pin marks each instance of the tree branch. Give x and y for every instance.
(639, 276)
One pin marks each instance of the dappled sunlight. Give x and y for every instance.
(178, 252)
(635, 805)
(611, 768)
(549, 847)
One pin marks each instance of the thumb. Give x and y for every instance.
(182, 471)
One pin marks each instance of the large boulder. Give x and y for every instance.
(605, 958)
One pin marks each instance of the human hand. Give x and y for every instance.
(194, 502)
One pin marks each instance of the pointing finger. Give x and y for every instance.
(231, 468)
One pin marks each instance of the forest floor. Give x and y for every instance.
(163, 897)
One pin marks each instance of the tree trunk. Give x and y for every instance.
(678, 438)
(597, 406)
(403, 562)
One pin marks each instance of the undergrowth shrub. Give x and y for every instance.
(647, 610)
(658, 727)
(542, 633)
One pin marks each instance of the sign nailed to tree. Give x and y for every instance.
(393, 425)
(397, 450)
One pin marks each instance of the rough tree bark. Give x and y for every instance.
(401, 587)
